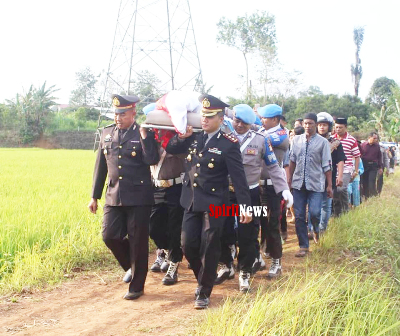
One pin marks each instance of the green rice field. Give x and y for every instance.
(45, 226)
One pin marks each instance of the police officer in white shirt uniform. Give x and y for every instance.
(255, 150)
(271, 194)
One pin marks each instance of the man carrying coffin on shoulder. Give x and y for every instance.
(212, 155)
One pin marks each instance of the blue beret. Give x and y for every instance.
(245, 113)
(270, 111)
(149, 108)
(258, 121)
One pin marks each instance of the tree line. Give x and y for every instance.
(35, 112)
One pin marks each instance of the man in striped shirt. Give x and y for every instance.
(351, 150)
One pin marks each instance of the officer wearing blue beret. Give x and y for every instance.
(270, 111)
(125, 154)
(270, 233)
(245, 113)
(255, 150)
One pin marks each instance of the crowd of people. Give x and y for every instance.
(163, 186)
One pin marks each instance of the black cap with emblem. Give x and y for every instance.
(341, 121)
(123, 103)
(211, 105)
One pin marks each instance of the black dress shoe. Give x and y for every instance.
(201, 302)
(128, 276)
(133, 295)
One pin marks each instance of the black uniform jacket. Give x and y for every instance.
(206, 170)
(127, 163)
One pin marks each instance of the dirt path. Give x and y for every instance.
(92, 304)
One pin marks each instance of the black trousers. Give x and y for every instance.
(166, 221)
(229, 234)
(270, 234)
(379, 183)
(283, 216)
(246, 236)
(126, 234)
(201, 246)
(368, 179)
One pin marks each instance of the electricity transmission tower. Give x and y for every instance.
(154, 37)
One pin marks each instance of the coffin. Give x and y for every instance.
(161, 120)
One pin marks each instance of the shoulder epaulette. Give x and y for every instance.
(111, 125)
(230, 137)
(259, 134)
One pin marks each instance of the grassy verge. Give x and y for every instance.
(369, 234)
(350, 285)
(45, 228)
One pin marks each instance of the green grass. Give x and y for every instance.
(45, 227)
(311, 303)
(349, 286)
(369, 233)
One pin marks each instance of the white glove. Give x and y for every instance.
(287, 196)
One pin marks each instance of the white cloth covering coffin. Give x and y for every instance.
(177, 109)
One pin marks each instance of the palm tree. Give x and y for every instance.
(42, 101)
(33, 109)
(356, 70)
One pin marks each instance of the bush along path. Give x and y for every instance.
(348, 286)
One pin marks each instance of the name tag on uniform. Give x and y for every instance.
(215, 151)
(251, 151)
(135, 141)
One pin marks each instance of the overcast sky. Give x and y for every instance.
(48, 40)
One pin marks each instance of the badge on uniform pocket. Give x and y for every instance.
(251, 151)
(215, 151)
(108, 138)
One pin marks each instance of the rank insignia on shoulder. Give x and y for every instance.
(230, 137)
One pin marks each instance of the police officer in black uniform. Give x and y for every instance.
(125, 155)
(167, 213)
(212, 155)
